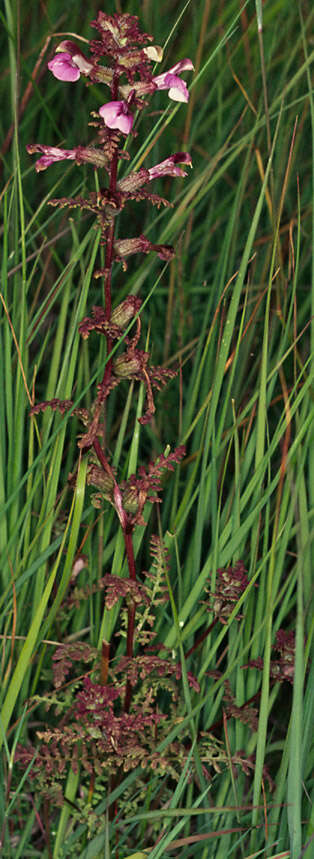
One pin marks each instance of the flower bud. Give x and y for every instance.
(125, 366)
(96, 476)
(130, 500)
(91, 155)
(134, 181)
(124, 312)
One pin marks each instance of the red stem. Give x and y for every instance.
(131, 614)
(102, 458)
(132, 573)
(201, 638)
(107, 284)
(106, 379)
(109, 258)
(129, 651)
(104, 665)
(130, 554)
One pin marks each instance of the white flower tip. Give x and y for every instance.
(82, 63)
(154, 52)
(186, 64)
(182, 66)
(178, 95)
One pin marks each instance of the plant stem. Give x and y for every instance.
(201, 638)
(102, 458)
(105, 654)
(130, 554)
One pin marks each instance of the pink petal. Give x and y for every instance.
(63, 68)
(78, 58)
(116, 115)
(182, 66)
(169, 168)
(51, 154)
(178, 90)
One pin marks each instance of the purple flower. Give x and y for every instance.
(169, 168)
(51, 154)
(169, 80)
(69, 63)
(116, 114)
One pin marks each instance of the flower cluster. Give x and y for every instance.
(69, 64)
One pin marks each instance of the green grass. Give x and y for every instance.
(235, 310)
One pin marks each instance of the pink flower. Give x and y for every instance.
(169, 80)
(116, 114)
(169, 168)
(69, 62)
(51, 154)
(81, 154)
(63, 68)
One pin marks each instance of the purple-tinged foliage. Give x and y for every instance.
(281, 668)
(66, 655)
(146, 484)
(117, 588)
(246, 714)
(230, 585)
(61, 406)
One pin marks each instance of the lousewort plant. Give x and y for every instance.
(113, 725)
(119, 705)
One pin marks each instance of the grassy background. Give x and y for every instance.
(235, 309)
